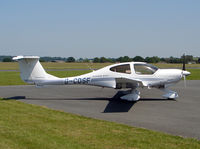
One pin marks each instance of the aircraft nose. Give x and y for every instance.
(186, 73)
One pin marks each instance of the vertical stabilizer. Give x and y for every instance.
(31, 71)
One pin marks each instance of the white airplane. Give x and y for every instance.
(118, 76)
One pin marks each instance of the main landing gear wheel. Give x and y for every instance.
(134, 95)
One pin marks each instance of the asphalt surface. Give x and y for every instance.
(178, 117)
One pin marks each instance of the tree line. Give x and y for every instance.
(153, 59)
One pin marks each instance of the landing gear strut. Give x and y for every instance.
(133, 95)
(169, 94)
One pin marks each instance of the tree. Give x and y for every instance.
(103, 60)
(156, 59)
(111, 60)
(7, 59)
(174, 60)
(163, 59)
(42, 60)
(138, 59)
(86, 60)
(119, 59)
(153, 59)
(80, 60)
(148, 60)
(124, 59)
(188, 58)
(71, 59)
(96, 60)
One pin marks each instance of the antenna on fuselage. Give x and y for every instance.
(89, 67)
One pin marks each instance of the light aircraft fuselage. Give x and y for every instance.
(118, 76)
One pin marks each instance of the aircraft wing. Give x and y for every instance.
(129, 82)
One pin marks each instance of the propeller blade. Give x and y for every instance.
(183, 62)
(184, 81)
(184, 74)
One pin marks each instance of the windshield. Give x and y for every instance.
(145, 69)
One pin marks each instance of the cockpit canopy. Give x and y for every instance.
(145, 69)
(139, 68)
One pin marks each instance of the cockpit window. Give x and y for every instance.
(145, 69)
(122, 69)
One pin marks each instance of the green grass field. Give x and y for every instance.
(63, 74)
(51, 65)
(195, 74)
(13, 78)
(25, 126)
(179, 66)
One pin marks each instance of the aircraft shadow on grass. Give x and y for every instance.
(115, 104)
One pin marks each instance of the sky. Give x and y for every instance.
(96, 28)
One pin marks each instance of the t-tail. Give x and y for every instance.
(32, 72)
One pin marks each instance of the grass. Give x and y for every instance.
(63, 74)
(10, 78)
(195, 74)
(179, 66)
(29, 126)
(74, 65)
(51, 65)
(9, 66)
(13, 78)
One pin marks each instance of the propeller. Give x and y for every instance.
(183, 62)
(184, 72)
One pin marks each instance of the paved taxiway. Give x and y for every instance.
(179, 117)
